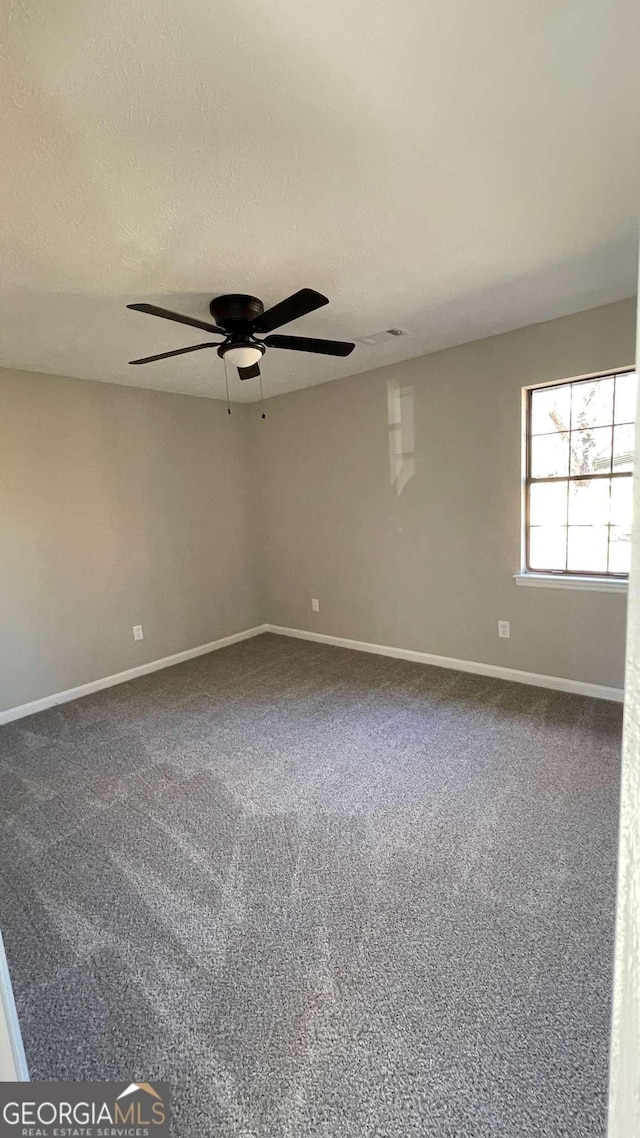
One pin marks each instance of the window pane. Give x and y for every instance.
(548, 504)
(620, 549)
(591, 450)
(581, 434)
(550, 409)
(550, 455)
(621, 502)
(623, 446)
(589, 502)
(548, 547)
(592, 403)
(587, 549)
(626, 397)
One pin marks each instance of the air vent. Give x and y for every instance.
(381, 337)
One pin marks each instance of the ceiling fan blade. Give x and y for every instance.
(153, 310)
(302, 302)
(306, 344)
(178, 352)
(249, 372)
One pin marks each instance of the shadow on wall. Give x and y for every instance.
(400, 415)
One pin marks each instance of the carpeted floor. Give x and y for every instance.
(320, 893)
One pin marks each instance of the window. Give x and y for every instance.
(579, 476)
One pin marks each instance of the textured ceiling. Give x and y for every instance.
(453, 167)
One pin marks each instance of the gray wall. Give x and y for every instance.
(418, 552)
(118, 507)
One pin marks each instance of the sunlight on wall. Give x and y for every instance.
(402, 464)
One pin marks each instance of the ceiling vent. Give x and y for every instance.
(382, 337)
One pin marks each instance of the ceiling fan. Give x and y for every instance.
(238, 318)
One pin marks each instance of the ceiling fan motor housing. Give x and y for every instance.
(236, 311)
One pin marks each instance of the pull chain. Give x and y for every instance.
(226, 380)
(262, 399)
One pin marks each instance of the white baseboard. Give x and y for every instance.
(536, 679)
(122, 677)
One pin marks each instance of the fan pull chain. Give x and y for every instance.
(226, 380)
(262, 399)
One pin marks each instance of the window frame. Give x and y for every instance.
(562, 575)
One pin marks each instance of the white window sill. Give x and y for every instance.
(553, 581)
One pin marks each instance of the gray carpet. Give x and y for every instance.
(320, 893)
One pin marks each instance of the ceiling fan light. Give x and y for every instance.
(243, 356)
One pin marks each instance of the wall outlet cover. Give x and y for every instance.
(315, 604)
(138, 634)
(504, 629)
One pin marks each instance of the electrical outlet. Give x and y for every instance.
(138, 634)
(315, 604)
(504, 629)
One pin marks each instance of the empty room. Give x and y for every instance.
(315, 737)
